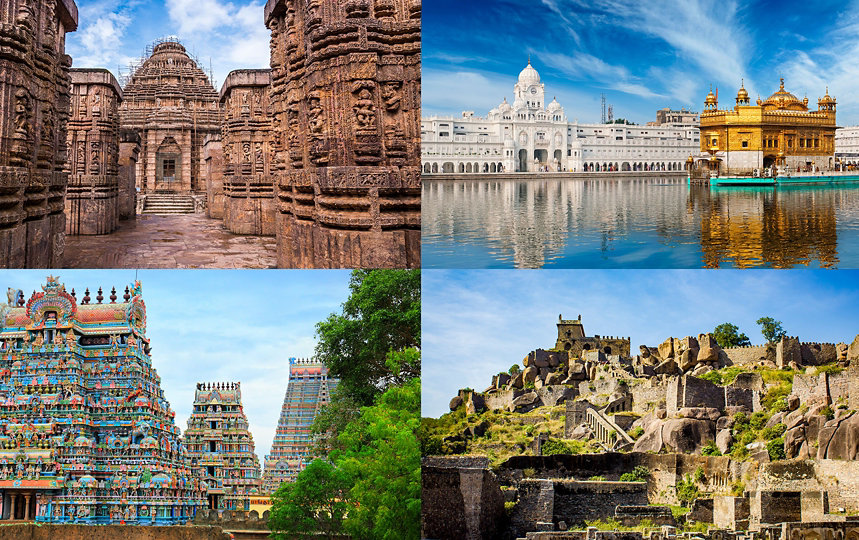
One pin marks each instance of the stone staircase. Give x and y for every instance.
(168, 204)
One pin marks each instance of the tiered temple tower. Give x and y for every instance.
(86, 435)
(34, 100)
(309, 389)
(173, 105)
(346, 98)
(218, 440)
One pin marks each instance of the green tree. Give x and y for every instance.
(382, 314)
(771, 329)
(728, 335)
(316, 503)
(380, 452)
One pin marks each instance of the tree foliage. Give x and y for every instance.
(379, 452)
(316, 503)
(382, 314)
(729, 335)
(771, 329)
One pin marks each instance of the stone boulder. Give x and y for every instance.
(551, 395)
(455, 403)
(709, 349)
(555, 377)
(518, 380)
(724, 440)
(525, 403)
(503, 379)
(795, 442)
(577, 372)
(839, 438)
(666, 349)
(688, 359)
(582, 432)
(682, 435)
(530, 375)
(668, 367)
(853, 350)
(645, 351)
(701, 370)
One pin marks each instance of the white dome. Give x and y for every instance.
(529, 75)
(504, 107)
(554, 106)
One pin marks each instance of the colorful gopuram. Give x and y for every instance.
(86, 435)
(309, 389)
(220, 444)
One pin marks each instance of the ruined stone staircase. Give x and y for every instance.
(168, 204)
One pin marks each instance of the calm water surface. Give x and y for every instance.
(635, 223)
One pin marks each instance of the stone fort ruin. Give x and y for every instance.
(767, 459)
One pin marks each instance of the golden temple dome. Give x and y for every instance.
(827, 98)
(742, 94)
(711, 98)
(782, 97)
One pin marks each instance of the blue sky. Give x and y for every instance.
(229, 34)
(642, 55)
(219, 326)
(477, 323)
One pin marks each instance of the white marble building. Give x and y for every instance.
(847, 144)
(531, 136)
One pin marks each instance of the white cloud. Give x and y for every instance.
(199, 15)
(98, 41)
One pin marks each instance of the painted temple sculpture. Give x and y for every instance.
(309, 389)
(86, 435)
(220, 444)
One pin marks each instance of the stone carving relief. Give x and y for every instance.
(363, 107)
(392, 95)
(95, 157)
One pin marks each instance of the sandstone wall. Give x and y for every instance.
(346, 97)
(129, 154)
(34, 96)
(248, 185)
(213, 167)
(92, 200)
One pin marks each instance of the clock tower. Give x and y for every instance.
(529, 89)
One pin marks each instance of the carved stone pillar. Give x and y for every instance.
(12, 498)
(27, 506)
(346, 98)
(34, 96)
(92, 201)
(129, 154)
(248, 185)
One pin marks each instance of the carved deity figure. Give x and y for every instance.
(315, 113)
(391, 95)
(246, 152)
(23, 113)
(258, 153)
(365, 111)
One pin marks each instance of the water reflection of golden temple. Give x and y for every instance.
(780, 130)
(777, 228)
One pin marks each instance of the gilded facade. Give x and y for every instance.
(346, 98)
(248, 185)
(34, 98)
(172, 104)
(92, 200)
(781, 130)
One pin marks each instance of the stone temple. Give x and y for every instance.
(322, 151)
(220, 444)
(86, 435)
(172, 104)
(309, 389)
